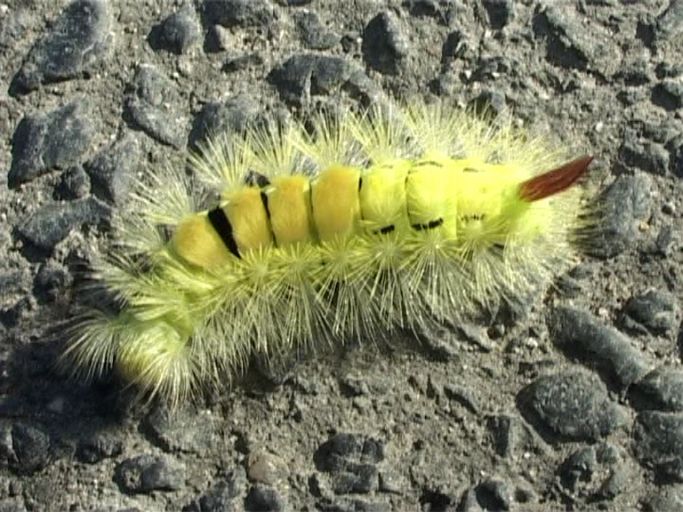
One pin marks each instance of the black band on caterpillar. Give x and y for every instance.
(430, 225)
(386, 229)
(219, 221)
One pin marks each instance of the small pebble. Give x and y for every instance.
(146, 473)
(574, 405)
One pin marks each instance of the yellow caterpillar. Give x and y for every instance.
(361, 225)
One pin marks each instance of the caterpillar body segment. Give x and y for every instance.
(335, 202)
(200, 240)
(289, 204)
(368, 224)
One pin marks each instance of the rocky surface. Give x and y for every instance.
(43, 142)
(76, 44)
(572, 401)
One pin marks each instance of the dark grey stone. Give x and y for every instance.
(336, 452)
(150, 104)
(98, 447)
(422, 7)
(454, 47)
(24, 448)
(512, 436)
(44, 141)
(313, 33)
(274, 369)
(629, 96)
(355, 478)
(146, 473)
(217, 39)
(446, 84)
(558, 29)
(500, 12)
(52, 280)
(351, 460)
(442, 345)
(661, 389)
(443, 11)
(51, 223)
(669, 131)
(667, 498)
(10, 316)
(353, 386)
(675, 147)
(390, 482)
(579, 466)
(231, 116)
(607, 454)
(384, 43)
(668, 208)
(668, 69)
(31, 446)
(569, 45)
(304, 75)
(351, 505)
(222, 495)
(635, 73)
(77, 43)
(648, 156)
(74, 183)
(669, 25)
(489, 103)
(624, 204)
(668, 95)
(658, 438)
(574, 282)
(583, 335)
(664, 132)
(475, 335)
(523, 494)
(182, 431)
(178, 32)
(261, 498)
(490, 68)
(113, 168)
(433, 499)
(512, 310)
(494, 494)
(233, 64)
(350, 42)
(655, 310)
(230, 13)
(573, 405)
(615, 483)
(463, 396)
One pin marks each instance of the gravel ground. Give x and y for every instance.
(570, 402)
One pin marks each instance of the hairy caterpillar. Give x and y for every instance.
(359, 225)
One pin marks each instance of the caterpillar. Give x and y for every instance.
(352, 225)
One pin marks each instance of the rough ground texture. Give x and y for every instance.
(572, 402)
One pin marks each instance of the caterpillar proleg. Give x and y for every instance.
(357, 226)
